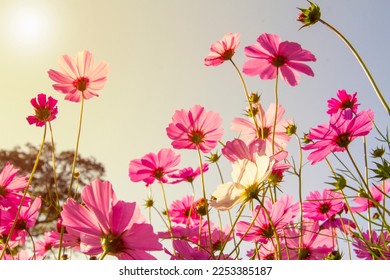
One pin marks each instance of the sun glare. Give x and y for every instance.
(27, 27)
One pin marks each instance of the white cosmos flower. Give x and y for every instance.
(247, 176)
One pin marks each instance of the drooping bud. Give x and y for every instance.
(310, 15)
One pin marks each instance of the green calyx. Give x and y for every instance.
(310, 15)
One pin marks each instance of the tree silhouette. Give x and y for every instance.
(53, 192)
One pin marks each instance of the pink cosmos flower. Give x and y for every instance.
(270, 55)
(345, 225)
(248, 133)
(269, 251)
(108, 225)
(376, 246)
(347, 103)
(218, 238)
(336, 135)
(282, 213)
(22, 255)
(316, 244)
(195, 128)
(378, 194)
(11, 185)
(320, 207)
(184, 211)
(45, 110)
(26, 219)
(222, 50)
(44, 245)
(187, 174)
(238, 149)
(153, 167)
(79, 78)
(184, 251)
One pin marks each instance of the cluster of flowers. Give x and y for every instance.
(99, 224)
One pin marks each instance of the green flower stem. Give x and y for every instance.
(299, 175)
(250, 103)
(77, 146)
(220, 172)
(103, 255)
(166, 209)
(24, 194)
(276, 110)
(231, 232)
(205, 199)
(53, 158)
(362, 64)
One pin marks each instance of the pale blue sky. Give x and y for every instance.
(155, 50)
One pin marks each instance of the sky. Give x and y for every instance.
(155, 52)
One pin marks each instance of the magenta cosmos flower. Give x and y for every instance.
(336, 135)
(347, 103)
(187, 174)
(27, 218)
(194, 129)
(265, 121)
(373, 245)
(238, 149)
(153, 167)
(108, 225)
(45, 110)
(222, 50)
(282, 213)
(11, 186)
(184, 211)
(270, 55)
(310, 243)
(79, 78)
(321, 207)
(377, 192)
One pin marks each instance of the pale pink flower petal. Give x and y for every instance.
(222, 50)
(79, 78)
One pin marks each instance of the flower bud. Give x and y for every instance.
(201, 207)
(254, 98)
(310, 15)
(291, 129)
(213, 158)
(378, 152)
(340, 182)
(149, 202)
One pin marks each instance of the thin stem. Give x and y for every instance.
(299, 174)
(205, 199)
(24, 194)
(276, 111)
(53, 158)
(77, 147)
(362, 64)
(220, 172)
(166, 209)
(251, 110)
(232, 231)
